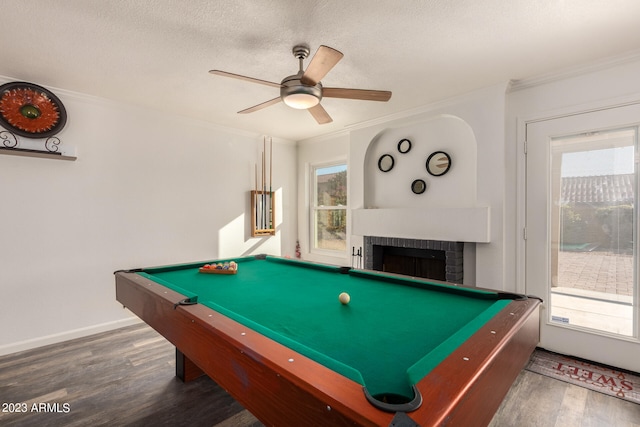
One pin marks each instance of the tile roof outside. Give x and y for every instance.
(606, 189)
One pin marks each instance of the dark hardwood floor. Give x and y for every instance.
(126, 378)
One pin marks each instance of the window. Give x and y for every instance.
(329, 208)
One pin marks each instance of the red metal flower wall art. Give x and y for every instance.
(30, 110)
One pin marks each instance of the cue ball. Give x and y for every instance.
(344, 298)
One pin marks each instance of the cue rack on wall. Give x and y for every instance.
(263, 207)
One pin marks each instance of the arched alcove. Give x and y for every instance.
(393, 188)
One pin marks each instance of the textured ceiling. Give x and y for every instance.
(157, 53)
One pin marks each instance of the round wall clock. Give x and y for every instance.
(30, 110)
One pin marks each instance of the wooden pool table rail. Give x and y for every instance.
(282, 387)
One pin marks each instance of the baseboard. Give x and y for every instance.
(66, 336)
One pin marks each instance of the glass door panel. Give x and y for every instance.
(592, 225)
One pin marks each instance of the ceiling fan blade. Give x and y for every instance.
(249, 79)
(260, 106)
(320, 114)
(322, 62)
(362, 94)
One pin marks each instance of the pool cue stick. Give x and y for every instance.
(255, 199)
(271, 183)
(259, 194)
(264, 185)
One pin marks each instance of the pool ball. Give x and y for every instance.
(344, 298)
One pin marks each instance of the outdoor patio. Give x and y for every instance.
(599, 271)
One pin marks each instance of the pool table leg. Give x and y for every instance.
(186, 370)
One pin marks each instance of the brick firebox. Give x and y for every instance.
(442, 260)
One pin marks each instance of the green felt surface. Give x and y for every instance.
(388, 337)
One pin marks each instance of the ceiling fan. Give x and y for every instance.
(304, 91)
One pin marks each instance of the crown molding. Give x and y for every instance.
(567, 73)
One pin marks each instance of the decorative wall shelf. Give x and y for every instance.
(35, 153)
(48, 148)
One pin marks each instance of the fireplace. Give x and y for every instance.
(431, 259)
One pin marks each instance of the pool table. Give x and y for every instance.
(404, 351)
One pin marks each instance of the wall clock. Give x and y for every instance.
(30, 110)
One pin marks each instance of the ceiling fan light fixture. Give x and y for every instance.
(301, 101)
(303, 90)
(299, 96)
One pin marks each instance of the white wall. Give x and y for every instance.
(147, 189)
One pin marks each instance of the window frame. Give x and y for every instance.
(314, 208)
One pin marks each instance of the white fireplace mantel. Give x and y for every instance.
(448, 224)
